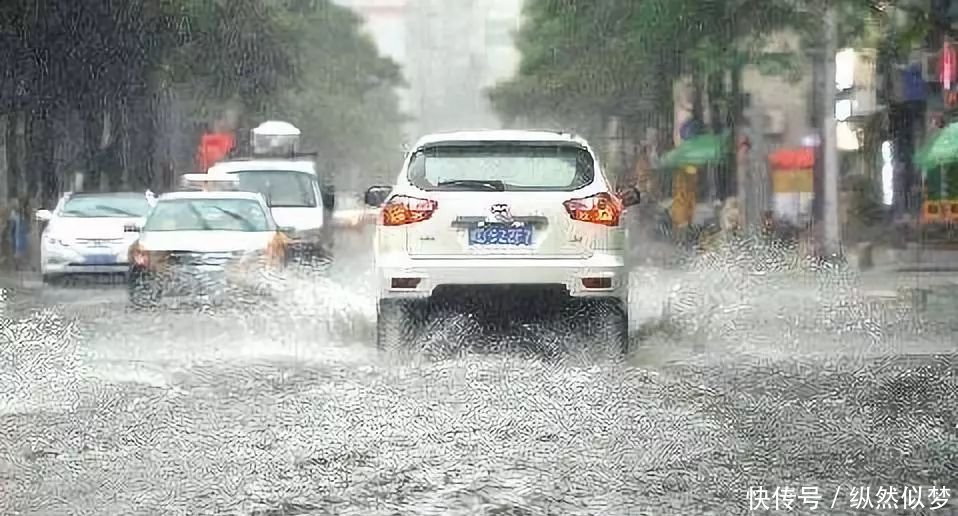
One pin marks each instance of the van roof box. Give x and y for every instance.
(205, 181)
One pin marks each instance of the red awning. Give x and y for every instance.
(792, 159)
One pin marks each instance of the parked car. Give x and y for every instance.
(84, 233)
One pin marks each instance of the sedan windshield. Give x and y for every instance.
(501, 167)
(208, 215)
(282, 189)
(88, 206)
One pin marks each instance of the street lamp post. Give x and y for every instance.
(832, 230)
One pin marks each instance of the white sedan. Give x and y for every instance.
(202, 244)
(85, 233)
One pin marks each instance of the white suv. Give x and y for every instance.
(525, 215)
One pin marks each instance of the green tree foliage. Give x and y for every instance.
(615, 56)
(239, 50)
(575, 55)
(344, 97)
(109, 61)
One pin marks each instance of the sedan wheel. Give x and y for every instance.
(143, 292)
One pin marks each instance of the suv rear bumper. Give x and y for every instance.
(433, 273)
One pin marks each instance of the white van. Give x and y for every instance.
(294, 194)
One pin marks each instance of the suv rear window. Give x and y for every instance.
(501, 167)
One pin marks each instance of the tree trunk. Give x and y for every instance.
(90, 119)
(44, 169)
(715, 93)
(4, 122)
(141, 132)
(111, 147)
(21, 156)
(33, 137)
(698, 94)
(734, 120)
(126, 141)
(14, 153)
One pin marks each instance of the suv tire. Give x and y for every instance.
(398, 323)
(143, 293)
(604, 326)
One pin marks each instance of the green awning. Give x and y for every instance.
(939, 151)
(701, 150)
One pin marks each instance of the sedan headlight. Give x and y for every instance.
(59, 241)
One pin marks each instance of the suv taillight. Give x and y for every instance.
(601, 208)
(402, 209)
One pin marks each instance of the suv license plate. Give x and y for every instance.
(500, 235)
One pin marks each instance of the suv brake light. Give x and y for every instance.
(601, 208)
(402, 209)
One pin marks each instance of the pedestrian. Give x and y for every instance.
(19, 231)
(629, 188)
(6, 243)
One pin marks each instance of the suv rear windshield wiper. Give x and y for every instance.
(492, 185)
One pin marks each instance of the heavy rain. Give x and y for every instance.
(450, 257)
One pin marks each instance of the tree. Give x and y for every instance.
(103, 62)
(583, 62)
(587, 61)
(344, 99)
(100, 75)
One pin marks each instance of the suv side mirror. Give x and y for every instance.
(44, 215)
(630, 196)
(377, 195)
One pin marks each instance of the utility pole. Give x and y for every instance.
(832, 231)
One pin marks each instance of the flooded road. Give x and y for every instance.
(286, 407)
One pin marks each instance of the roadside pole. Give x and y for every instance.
(832, 231)
(756, 168)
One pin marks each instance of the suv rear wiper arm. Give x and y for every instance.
(493, 185)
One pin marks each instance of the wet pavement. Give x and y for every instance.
(738, 381)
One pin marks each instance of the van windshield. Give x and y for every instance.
(281, 188)
(502, 166)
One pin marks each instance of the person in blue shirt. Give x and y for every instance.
(19, 231)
